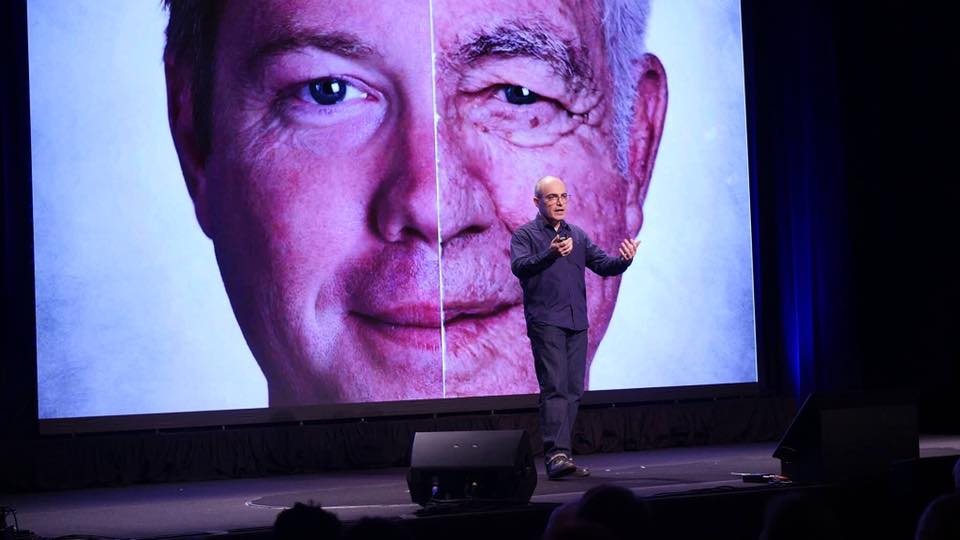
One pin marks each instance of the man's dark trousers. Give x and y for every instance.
(560, 357)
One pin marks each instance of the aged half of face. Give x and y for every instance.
(326, 169)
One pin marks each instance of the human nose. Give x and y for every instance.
(466, 205)
(405, 205)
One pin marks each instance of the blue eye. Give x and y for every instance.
(331, 90)
(328, 91)
(520, 95)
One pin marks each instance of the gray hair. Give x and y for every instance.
(624, 30)
(624, 25)
(193, 24)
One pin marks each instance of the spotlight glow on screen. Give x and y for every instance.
(320, 209)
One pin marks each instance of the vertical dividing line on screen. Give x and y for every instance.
(436, 175)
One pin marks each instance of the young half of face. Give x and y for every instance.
(354, 143)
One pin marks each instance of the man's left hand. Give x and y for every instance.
(628, 248)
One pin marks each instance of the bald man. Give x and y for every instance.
(549, 255)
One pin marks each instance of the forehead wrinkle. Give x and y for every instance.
(527, 39)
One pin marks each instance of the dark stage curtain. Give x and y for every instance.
(123, 458)
(802, 198)
(853, 119)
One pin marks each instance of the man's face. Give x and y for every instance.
(552, 200)
(326, 168)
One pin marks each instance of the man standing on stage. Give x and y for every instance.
(548, 255)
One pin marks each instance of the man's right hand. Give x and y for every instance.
(561, 247)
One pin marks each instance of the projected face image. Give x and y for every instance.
(524, 89)
(320, 171)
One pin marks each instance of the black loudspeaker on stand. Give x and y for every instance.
(471, 466)
(835, 437)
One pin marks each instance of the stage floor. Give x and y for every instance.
(200, 508)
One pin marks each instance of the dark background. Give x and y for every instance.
(852, 122)
(854, 117)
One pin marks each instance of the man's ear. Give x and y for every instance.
(649, 111)
(185, 138)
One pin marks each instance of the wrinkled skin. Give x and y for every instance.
(323, 212)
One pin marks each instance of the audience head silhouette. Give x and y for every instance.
(306, 522)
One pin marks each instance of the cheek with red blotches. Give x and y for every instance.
(288, 220)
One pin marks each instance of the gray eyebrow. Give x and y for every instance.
(519, 39)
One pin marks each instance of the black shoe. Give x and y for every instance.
(580, 472)
(560, 465)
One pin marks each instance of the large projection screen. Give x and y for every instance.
(336, 226)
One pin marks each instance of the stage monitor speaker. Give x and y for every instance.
(478, 466)
(836, 437)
